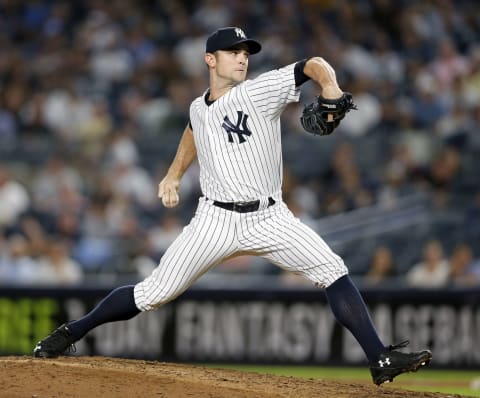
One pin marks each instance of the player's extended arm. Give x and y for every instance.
(186, 153)
(324, 115)
(322, 73)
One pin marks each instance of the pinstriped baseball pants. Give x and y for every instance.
(215, 234)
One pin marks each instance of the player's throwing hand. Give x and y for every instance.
(168, 191)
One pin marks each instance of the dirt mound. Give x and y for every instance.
(96, 377)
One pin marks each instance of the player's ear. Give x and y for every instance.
(210, 60)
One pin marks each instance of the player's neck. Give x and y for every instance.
(217, 92)
(219, 87)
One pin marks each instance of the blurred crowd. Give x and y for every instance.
(95, 94)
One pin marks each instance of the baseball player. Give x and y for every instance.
(234, 131)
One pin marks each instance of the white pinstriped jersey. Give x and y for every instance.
(238, 137)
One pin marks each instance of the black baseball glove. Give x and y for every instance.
(315, 118)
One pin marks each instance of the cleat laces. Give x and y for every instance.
(403, 344)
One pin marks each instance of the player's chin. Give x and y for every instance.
(239, 76)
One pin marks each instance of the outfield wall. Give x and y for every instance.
(251, 326)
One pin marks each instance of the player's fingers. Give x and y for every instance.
(330, 117)
(168, 193)
(161, 190)
(164, 187)
(170, 198)
(165, 201)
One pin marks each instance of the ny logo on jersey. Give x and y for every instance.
(235, 128)
(239, 33)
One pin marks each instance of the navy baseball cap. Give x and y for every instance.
(225, 38)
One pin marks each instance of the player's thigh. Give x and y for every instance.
(207, 240)
(298, 248)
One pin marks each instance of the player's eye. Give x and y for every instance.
(236, 52)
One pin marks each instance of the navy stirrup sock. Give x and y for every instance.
(350, 310)
(119, 305)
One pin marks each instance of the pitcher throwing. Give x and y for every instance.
(234, 131)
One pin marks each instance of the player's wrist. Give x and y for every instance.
(331, 91)
(174, 174)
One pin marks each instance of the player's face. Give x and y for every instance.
(232, 64)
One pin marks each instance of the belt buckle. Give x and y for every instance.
(240, 206)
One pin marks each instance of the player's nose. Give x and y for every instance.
(242, 56)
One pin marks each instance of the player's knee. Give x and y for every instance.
(331, 272)
(340, 270)
(153, 302)
(150, 300)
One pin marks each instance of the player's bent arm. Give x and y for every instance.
(323, 74)
(186, 153)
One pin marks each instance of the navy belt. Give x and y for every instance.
(242, 207)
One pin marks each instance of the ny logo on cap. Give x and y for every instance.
(239, 33)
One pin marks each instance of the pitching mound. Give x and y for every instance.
(99, 377)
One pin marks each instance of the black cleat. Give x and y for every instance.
(392, 363)
(55, 344)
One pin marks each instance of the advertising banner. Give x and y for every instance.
(289, 327)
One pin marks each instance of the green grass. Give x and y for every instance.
(443, 381)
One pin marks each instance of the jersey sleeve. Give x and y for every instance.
(300, 76)
(272, 91)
